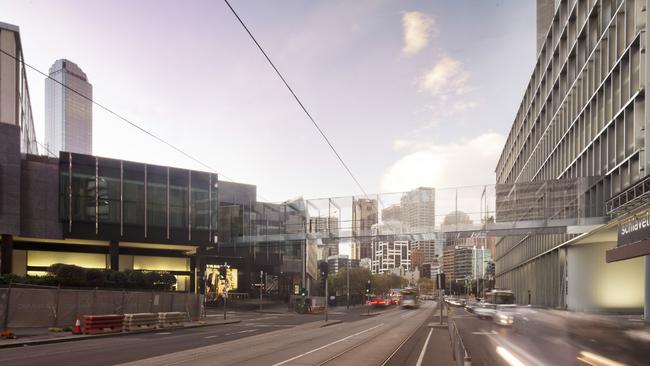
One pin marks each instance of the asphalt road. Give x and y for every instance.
(114, 350)
(369, 341)
(550, 337)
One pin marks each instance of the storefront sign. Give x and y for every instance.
(634, 231)
(633, 240)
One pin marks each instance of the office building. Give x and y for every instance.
(583, 114)
(68, 110)
(364, 216)
(418, 210)
(338, 262)
(392, 213)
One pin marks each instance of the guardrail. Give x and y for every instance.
(140, 321)
(98, 324)
(459, 352)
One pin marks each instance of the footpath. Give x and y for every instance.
(36, 336)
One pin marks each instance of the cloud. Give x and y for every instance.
(417, 30)
(463, 163)
(446, 78)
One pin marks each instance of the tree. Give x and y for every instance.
(425, 285)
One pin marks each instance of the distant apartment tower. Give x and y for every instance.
(68, 109)
(418, 209)
(392, 213)
(364, 216)
(389, 255)
(338, 262)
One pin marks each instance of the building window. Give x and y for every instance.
(156, 197)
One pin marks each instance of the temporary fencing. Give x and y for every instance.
(56, 307)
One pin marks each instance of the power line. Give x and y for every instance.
(297, 99)
(133, 124)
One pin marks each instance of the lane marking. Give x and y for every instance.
(243, 331)
(212, 336)
(327, 345)
(424, 349)
(594, 359)
(163, 333)
(509, 357)
(485, 333)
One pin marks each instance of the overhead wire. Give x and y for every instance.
(119, 116)
(302, 106)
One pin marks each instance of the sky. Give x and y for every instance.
(410, 93)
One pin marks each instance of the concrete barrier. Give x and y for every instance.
(171, 319)
(139, 321)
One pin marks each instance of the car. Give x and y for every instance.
(504, 318)
(378, 302)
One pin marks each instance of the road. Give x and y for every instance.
(260, 339)
(550, 337)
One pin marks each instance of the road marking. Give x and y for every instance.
(266, 318)
(163, 333)
(327, 345)
(485, 333)
(212, 336)
(424, 349)
(509, 357)
(594, 359)
(243, 331)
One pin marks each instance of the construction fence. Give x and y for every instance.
(56, 307)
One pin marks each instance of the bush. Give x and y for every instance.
(71, 275)
(96, 277)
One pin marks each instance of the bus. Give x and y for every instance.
(500, 297)
(409, 298)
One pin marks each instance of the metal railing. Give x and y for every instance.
(461, 357)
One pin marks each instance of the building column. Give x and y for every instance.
(193, 274)
(114, 254)
(199, 271)
(6, 253)
(646, 285)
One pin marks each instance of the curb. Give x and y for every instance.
(333, 322)
(370, 314)
(108, 335)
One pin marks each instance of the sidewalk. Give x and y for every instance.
(36, 336)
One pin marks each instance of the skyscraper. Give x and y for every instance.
(418, 209)
(364, 216)
(68, 109)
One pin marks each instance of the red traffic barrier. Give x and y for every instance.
(97, 324)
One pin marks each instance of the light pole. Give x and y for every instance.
(261, 284)
(225, 289)
(348, 283)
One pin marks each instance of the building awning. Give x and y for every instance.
(628, 251)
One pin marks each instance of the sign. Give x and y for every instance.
(296, 289)
(634, 231)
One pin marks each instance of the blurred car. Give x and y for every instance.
(501, 317)
(378, 302)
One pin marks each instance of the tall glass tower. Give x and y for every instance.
(68, 115)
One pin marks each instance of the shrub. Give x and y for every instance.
(71, 275)
(96, 277)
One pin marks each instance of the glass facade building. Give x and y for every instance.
(136, 202)
(68, 109)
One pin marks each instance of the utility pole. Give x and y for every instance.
(327, 300)
(261, 284)
(348, 281)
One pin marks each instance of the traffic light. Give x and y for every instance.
(368, 287)
(222, 273)
(303, 292)
(324, 269)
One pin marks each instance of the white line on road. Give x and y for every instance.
(485, 333)
(163, 333)
(243, 331)
(509, 357)
(212, 336)
(424, 349)
(327, 345)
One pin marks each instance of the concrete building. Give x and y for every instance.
(338, 262)
(390, 255)
(364, 216)
(418, 209)
(392, 213)
(583, 114)
(68, 110)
